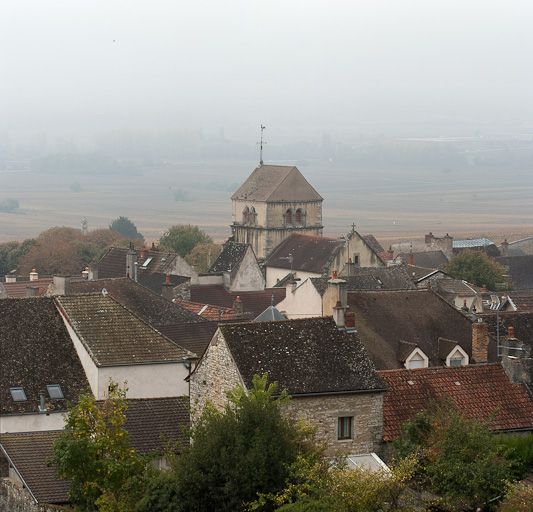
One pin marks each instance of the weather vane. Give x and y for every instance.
(261, 146)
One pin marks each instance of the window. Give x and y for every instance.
(417, 359)
(288, 217)
(356, 259)
(55, 392)
(299, 217)
(252, 216)
(457, 357)
(245, 215)
(147, 262)
(18, 394)
(344, 427)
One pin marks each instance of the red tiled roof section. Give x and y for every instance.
(253, 302)
(481, 392)
(208, 311)
(19, 290)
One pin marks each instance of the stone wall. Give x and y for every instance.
(324, 411)
(215, 375)
(13, 498)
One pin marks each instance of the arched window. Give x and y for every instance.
(252, 216)
(288, 217)
(246, 215)
(299, 217)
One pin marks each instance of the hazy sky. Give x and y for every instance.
(301, 67)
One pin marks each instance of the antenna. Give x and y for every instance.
(261, 143)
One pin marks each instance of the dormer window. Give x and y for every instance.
(416, 359)
(457, 357)
(18, 394)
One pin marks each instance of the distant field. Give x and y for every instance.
(393, 204)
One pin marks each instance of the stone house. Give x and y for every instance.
(316, 256)
(274, 202)
(332, 381)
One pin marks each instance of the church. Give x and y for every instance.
(275, 202)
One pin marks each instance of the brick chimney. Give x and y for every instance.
(349, 319)
(505, 248)
(61, 285)
(131, 259)
(168, 290)
(238, 306)
(410, 259)
(480, 341)
(34, 275)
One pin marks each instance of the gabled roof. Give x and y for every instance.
(450, 286)
(372, 242)
(470, 388)
(254, 302)
(304, 356)
(309, 253)
(193, 337)
(384, 318)
(230, 258)
(270, 314)
(113, 335)
(36, 351)
(145, 303)
(520, 270)
(426, 259)
(276, 183)
(29, 452)
(19, 289)
(420, 273)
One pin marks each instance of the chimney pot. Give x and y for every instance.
(238, 306)
(167, 291)
(85, 273)
(11, 278)
(34, 276)
(334, 274)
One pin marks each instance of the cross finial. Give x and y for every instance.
(353, 227)
(261, 143)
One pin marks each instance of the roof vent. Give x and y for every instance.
(457, 383)
(410, 382)
(104, 292)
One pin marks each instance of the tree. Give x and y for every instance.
(202, 256)
(459, 458)
(11, 253)
(94, 454)
(126, 228)
(183, 239)
(477, 268)
(246, 449)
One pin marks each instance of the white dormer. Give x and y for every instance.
(457, 357)
(416, 359)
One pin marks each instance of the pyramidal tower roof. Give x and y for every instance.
(276, 183)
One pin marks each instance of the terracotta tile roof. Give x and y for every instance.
(30, 453)
(304, 356)
(384, 318)
(472, 389)
(113, 335)
(309, 253)
(150, 306)
(254, 302)
(276, 183)
(520, 269)
(193, 337)
(36, 351)
(426, 259)
(523, 300)
(19, 289)
(153, 422)
(208, 311)
(230, 257)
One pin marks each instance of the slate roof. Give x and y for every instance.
(254, 302)
(30, 452)
(371, 278)
(520, 270)
(230, 258)
(35, 351)
(155, 280)
(153, 422)
(18, 290)
(426, 259)
(421, 273)
(113, 335)
(385, 318)
(470, 388)
(449, 286)
(304, 356)
(471, 243)
(193, 337)
(309, 253)
(151, 306)
(523, 300)
(373, 243)
(276, 183)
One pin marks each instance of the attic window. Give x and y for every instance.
(147, 262)
(55, 392)
(457, 357)
(18, 394)
(417, 359)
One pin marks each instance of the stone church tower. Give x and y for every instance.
(272, 204)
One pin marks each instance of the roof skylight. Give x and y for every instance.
(55, 392)
(18, 394)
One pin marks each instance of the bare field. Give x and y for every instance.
(393, 204)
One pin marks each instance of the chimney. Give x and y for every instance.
(348, 269)
(168, 290)
(131, 259)
(238, 306)
(338, 315)
(480, 341)
(428, 239)
(34, 276)
(32, 291)
(143, 254)
(505, 248)
(153, 246)
(11, 278)
(61, 285)
(349, 319)
(410, 259)
(85, 273)
(510, 332)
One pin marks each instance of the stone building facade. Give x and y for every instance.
(274, 202)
